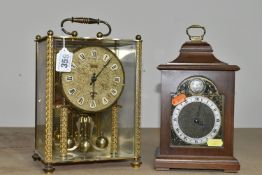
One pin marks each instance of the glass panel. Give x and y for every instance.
(127, 55)
(40, 97)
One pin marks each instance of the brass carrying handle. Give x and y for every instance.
(194, 37)
(83, 20)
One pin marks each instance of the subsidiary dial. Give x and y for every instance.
(196, 85)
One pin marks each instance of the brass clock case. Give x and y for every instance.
(92, 112)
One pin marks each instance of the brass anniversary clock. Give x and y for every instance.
(87, 98)
(197, 111)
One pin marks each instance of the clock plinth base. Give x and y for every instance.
(166, 162)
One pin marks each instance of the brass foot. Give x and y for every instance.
(49, 168)
(114, 155)
(136, 163)
(36, 157)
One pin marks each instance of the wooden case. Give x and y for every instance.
(196, 58)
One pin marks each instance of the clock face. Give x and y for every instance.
(196, 117)
(196, 120)
(96, 79)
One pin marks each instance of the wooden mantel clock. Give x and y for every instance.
(88, 95)
(197, 110)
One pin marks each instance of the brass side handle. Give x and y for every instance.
(196, 37)
(83, 20)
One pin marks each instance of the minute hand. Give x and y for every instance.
(101, 70)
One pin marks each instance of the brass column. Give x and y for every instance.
(137, 160)
(48, 158)
(114, 134)
(49, 98)
(63, 130)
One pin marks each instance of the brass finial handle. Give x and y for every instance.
(196, 37)
(83, 20)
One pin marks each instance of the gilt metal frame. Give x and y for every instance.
(47, 158)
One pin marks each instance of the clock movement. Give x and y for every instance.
(197, 109)
(88, 94)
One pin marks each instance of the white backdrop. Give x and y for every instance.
(234, 30)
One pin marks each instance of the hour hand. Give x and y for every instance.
(93, 79)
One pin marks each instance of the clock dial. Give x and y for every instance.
(196, 85)
(196, 120)
(196, 117)
(96, 79)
